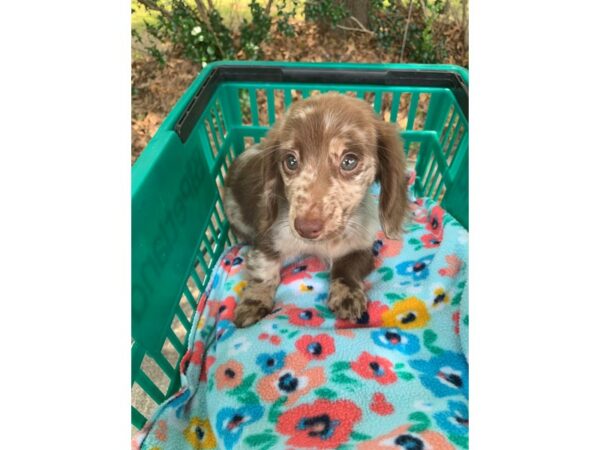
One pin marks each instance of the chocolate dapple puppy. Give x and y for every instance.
(304, 190)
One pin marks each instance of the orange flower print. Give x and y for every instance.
(385, 248)
(453, 269)
(301, 270)
(229, 375)
(292, 381)
(401, 438)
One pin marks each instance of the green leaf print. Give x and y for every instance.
(414, 241)
(414, 227)
(466, 320)
(393, 296)
(387, 272)
(321, 275)
(423, 422)
(325, 312)
(457, 297)
(256, 440)
(339, 366)
(244, 386)
(275, 410)
(293, 334)
(429, 337)
(359, 436)
(403, 375)
(342, 378)
(248, 398)
(325, 393)
(462, 441)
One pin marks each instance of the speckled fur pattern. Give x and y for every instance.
(346, 302)
(264, 197)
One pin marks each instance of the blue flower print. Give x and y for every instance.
(179, 401)
(418, 270)
(231, 423)
(454, 421)
(270, 362)
(225, 328)
(215, 281)
(444, 375)
(299, 269)
(394, 339)
(377, 247)
(321, 297)
(232, 262)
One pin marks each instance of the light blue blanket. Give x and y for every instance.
(302, 379)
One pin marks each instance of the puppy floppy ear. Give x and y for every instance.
(391, 174)
(271, 179)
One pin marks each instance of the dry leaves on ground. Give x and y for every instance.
(155, 89)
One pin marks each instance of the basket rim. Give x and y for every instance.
(182, 117)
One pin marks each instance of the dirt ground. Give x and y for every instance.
(155, 89)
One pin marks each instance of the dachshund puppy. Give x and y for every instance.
(304, 191)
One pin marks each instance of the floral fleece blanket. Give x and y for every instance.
(299, 378)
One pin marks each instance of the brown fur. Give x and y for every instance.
(266, 201)
(346, 296)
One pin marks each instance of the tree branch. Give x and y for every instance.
(406, 31)
(202, 10)
(268, 7)
(150, 4)
(465, 24)
(425, 9)
(362, 28)
(205, 17)
(355, 29)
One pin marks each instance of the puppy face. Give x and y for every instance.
(322, 157)
(327, 159)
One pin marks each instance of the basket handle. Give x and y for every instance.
(318, 75)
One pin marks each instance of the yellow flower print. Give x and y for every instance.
(406, 314)
(199, 434)
(440, 298)
(238, 288)
(306, 287)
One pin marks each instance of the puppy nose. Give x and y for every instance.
(308, 228)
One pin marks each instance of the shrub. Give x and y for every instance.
(197, 31)
(388, 22)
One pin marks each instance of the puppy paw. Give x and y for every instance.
(347, 303)
(255, 303)
(250, 311)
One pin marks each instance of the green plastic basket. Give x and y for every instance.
(178, 225)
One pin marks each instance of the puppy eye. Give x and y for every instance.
(291, 163)
(349, 162)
